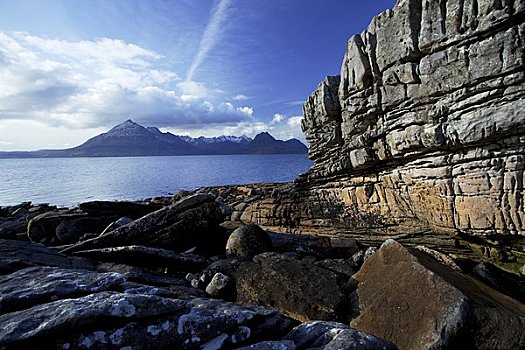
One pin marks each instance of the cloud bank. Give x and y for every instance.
(101, 83)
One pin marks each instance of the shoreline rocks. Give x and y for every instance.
(120, 293)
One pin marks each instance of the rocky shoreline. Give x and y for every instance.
(185, 272)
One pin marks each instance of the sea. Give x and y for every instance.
(70, 181)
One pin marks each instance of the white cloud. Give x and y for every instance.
(277, 118)
(101, 83)
(241, 97)
(247, 111)
(211, 36)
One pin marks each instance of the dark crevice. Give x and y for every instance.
(443, 13)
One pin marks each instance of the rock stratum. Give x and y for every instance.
(423, 130)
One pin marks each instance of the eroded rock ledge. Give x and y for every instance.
(423, 130)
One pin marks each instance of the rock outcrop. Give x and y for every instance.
(412, 300)
(423, 130)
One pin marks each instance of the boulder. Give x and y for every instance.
(295, 287)
(247, 241)
(221, 286)
(412, 300)
(193, 221)
(334, 336)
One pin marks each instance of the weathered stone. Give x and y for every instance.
(334, 336)
(17, 255)
(271, 345)
(134, 210)
(192, 221)
(247, 241)
(148, 257)
(297, 288)
(426, 132)
(21, 328)
(221, 286)
(35, 285)
(393, 295)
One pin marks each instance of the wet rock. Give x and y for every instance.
(148, 257)
(393, 295)
(247, 241)
(221, 286)
(193, 221)
(334, 336)
(297, 288)
(36, 285)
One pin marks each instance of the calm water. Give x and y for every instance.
(69, 181)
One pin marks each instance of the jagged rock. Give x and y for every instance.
(334, 336)
(190, 222)
(247, 241)
(17, 255)
(297, 288)
(36, 285)
(221, 286)
(148, 257)
(423, 130)
(175, 285)
(59, 318)
(116, 224)
(202, 324)
(412, 300)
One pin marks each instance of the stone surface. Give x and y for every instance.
(247, 241)
(393, 294)
(62, 316)
(17, 255)
(147, 256)
(221, 286)
(297, 288)
(36, 285)
(334, 336)
(192, 221)
(424, 128)
(271, 345)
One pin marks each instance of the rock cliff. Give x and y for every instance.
(423, 130)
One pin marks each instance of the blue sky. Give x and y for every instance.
(71, 69)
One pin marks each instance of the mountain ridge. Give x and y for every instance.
(131, 139)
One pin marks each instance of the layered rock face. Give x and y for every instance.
(424, 128)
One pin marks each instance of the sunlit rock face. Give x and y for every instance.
(423, 129)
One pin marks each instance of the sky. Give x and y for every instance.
(72, 69)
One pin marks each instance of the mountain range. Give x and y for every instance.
(131, 139)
